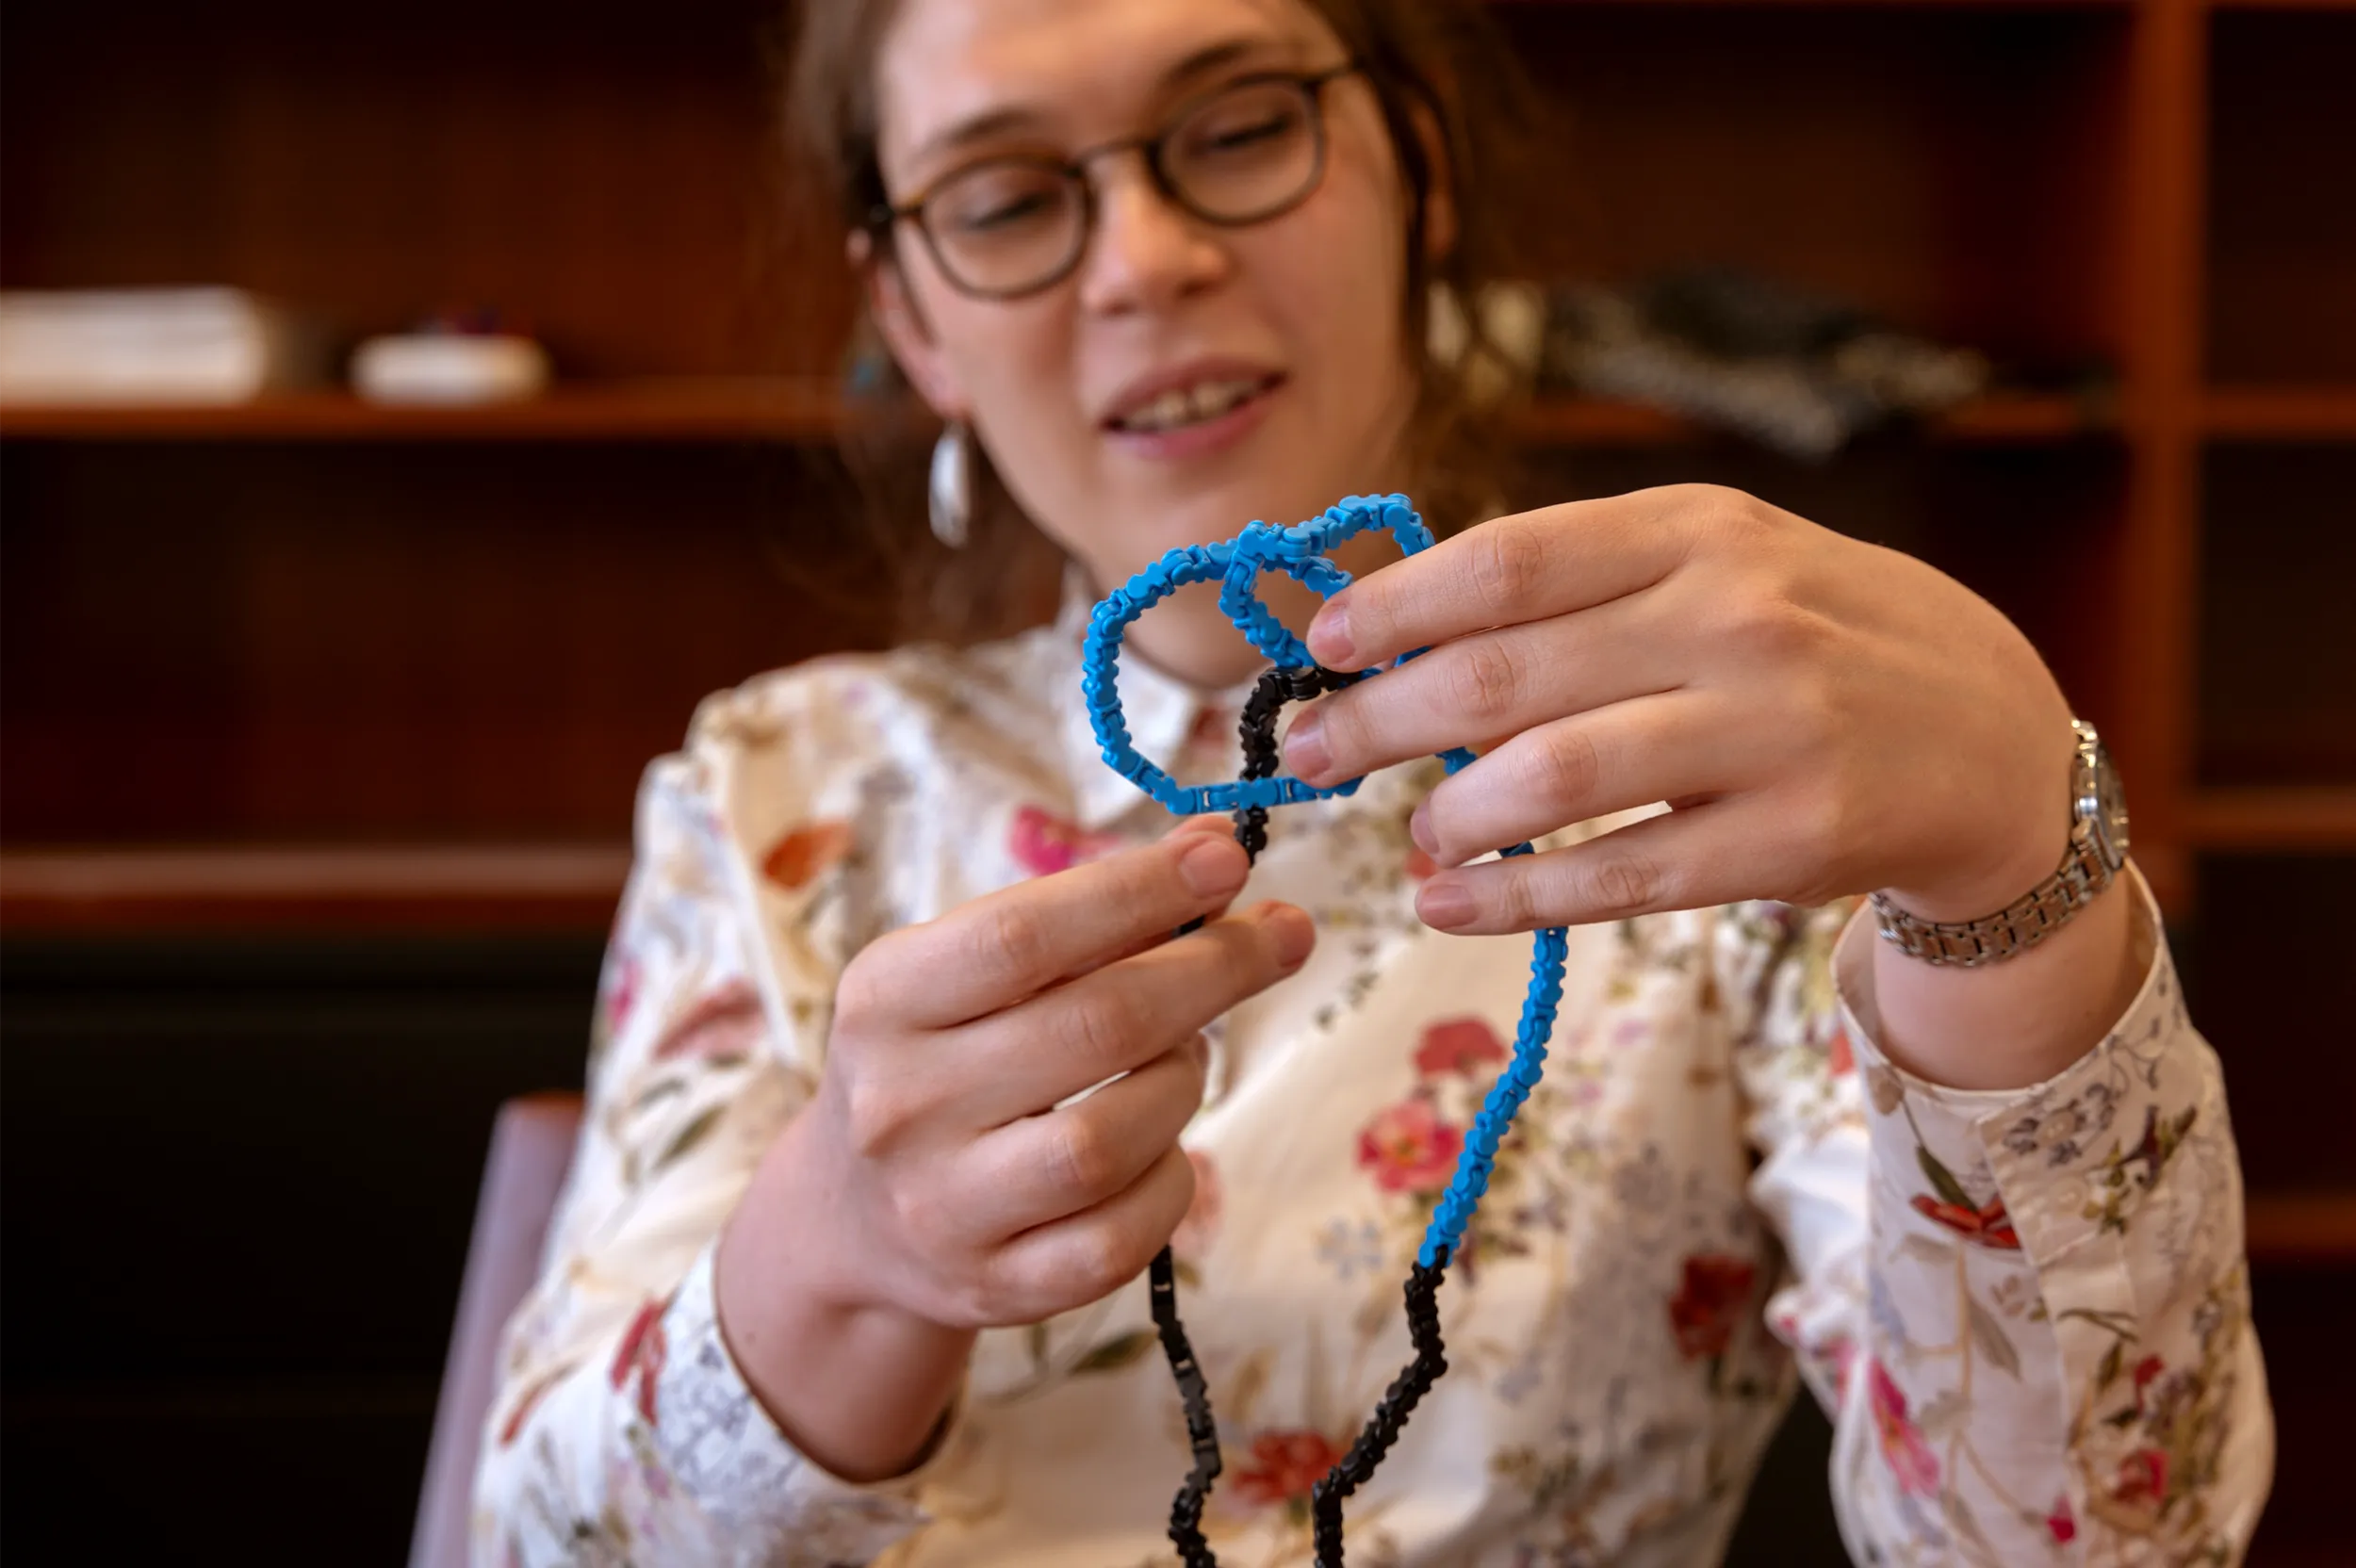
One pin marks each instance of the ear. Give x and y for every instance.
(906, 332)
(1439, 203)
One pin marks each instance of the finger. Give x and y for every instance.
(1043, 1167)
(1507, 570)
(1716, 854)
(993, 952)
(1207, 825)
(1486, 685)
(1088, 1255)
(1669, 747)
(1049, 1047)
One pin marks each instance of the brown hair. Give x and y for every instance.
(1437, 61)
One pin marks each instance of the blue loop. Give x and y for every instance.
(1299, 552)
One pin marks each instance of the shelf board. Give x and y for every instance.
(686, 408)
(562, 885)
(2280, 412)
(2317, 816)
(717, 408)
(2301, 1227)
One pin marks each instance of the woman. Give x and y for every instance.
(848, 1269)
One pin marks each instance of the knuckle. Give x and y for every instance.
(1506, 565)
(1565, 768)
(1084, 1157)
(1626, 883)
(1013, 940)
(1483, 681)
(1099, 1027)
(875, 1116)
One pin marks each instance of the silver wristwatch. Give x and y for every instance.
(2098, 847)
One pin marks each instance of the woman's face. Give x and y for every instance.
(1301, 313)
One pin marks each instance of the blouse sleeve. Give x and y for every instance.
(2026, 1311)
(623, 1430)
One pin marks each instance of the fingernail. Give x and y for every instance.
(1295, 933)
(1445, 906)
(1304, 746)
(1213, 866)
(1329, 635)
(1419, 829)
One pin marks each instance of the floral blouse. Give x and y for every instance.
(2027, 1312)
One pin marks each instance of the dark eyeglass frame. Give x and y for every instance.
(1074, 172)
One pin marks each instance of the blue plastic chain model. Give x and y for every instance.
(1300, 552)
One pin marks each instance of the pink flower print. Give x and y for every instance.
(1042, 843)
(621, 993)
(2061, 1524)
(1904, 1449)
(1408, 1148)
(1458, 1045)
(1193, 1236)
(1840, 1056)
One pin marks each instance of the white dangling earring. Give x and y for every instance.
(950, 495)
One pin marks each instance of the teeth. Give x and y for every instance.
(1189, 406)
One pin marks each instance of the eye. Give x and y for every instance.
(996, 200)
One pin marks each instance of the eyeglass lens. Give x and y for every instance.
(1239, 155)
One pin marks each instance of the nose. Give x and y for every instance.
(1147, 253)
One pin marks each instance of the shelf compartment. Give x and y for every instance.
(1951, 168)
(2276, 658)
(2268, 981)
(2281, 247)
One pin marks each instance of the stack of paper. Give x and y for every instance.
(156, 345)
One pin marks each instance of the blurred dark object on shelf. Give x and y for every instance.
(1798, 373)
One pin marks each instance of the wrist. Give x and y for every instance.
(856, 1381)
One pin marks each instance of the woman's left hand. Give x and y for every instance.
(1823, 716)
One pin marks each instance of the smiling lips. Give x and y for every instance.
(1198, 403)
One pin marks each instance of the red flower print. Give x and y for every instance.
(1285, 1465)
(2061, 1524)
(1458, 1045)
(2142, 1478)
(1904, 1450)
(1840, 1056)
(640, 1356)
(513, 1428)
(806, 853)
(1193, 1235)
(1989, 1224)
(1408, 1148)
(2146, 1369)
(1043, 844)
(1709, 1304)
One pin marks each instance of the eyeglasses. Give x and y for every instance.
(1010, 227)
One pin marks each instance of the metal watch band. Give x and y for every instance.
(2015, 928)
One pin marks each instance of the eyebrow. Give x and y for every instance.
(991, 122)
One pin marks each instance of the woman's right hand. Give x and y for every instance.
(943, 1179)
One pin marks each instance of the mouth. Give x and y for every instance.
(1198, 402)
